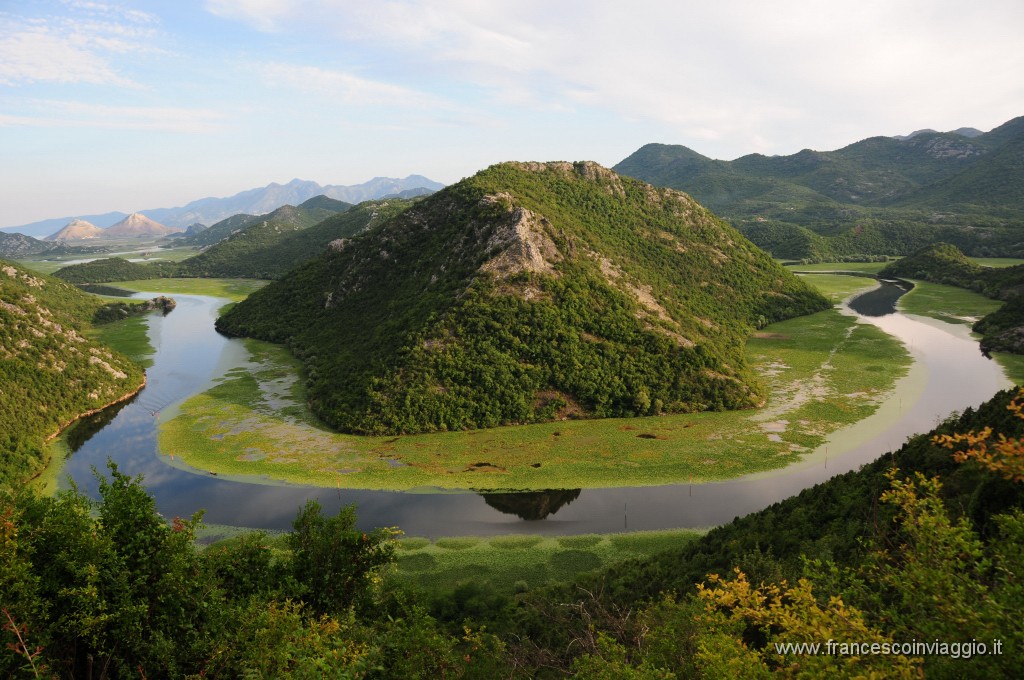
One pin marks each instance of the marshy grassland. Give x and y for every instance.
(504, 564)
(127, 248)
(823, 371)
(234, 290)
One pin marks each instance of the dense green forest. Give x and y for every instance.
(268, 249)
(912, 547)
(525, 293)
(1003, 329)
(263, 247)
(50, 372)
(879, 196)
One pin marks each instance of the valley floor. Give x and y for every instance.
(824, 371)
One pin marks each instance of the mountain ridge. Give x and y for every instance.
(259, 200)
(877, 196)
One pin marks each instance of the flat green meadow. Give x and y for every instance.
(506, 564)
(126, 248)
(234, 290)
(946, 303)
(863, 267)
(996, 262)
(822, 372)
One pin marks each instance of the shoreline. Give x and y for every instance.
(84, 414)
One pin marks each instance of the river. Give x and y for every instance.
(949, 374)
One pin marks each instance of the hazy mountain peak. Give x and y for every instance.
(257, 201)
(75, 230)
(138, 224)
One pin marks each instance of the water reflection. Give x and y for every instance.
(531, 505)
(102, 289)
(190, 355)
(882, 300)
(85, 428)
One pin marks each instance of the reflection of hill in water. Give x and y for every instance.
(531, 504)
(86, 427)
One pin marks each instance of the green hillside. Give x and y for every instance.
(50, 372)
(879, 196)
(115, 269)
(938, 263)
(528, 292)
(931, 567)
(217, 231)
(270, 248)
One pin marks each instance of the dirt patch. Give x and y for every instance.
(760, 335)
(569, 408)
(484, 467)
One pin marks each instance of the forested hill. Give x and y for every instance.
(528, 292)
(49, 371)
(287, 218)
(268, 249)
(882, 195)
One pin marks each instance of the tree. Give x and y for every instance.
(335, 563)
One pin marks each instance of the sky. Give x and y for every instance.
(130, 105)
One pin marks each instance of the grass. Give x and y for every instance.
(234, 290)
(127, 249)
(505, 564)
(500, 564)
(946, 303)
(996, 262)
(823, 371)
(129, 337)
(865, 267)
(838, 287)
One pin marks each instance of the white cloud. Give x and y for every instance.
(73, 49)
(71, 114)
(750, 70)
(263, 15)
(344, 87)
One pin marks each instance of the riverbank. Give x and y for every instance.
(823, 371)
(45, 481)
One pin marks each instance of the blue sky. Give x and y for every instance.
(130, 105)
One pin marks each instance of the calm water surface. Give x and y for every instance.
(950, 375)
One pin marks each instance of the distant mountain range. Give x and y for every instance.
(135, 225)
(253, 201)
(882, 195)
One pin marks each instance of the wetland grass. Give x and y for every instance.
(823, 371)
(508, 563)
